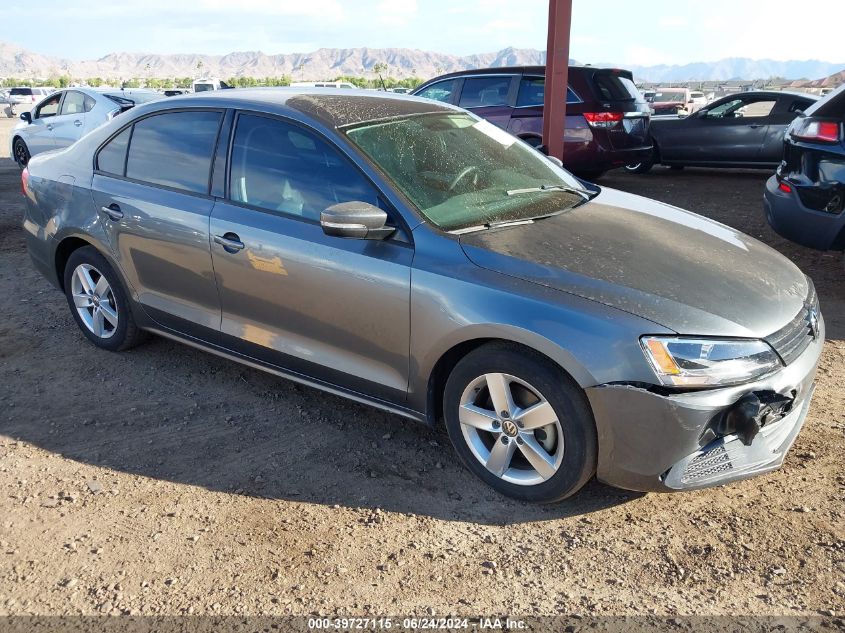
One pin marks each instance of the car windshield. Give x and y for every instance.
(462, 172)
(21, 91)
(669, 96)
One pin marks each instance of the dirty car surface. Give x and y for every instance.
(412, 256)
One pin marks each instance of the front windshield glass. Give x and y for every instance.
(669, 96)
(463, 172)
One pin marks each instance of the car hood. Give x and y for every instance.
(675, 268)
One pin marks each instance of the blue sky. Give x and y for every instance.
(616, 31)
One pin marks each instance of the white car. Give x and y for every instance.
(23, 97)
(67, 115)
(697, 100)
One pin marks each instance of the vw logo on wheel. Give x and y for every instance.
(509, 428)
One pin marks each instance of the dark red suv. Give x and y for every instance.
(606, 116)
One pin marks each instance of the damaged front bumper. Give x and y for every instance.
(657, 441)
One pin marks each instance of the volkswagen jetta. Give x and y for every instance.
(410, 255)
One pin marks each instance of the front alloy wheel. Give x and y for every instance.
(21, 153)
(520, 423)
(511, 429)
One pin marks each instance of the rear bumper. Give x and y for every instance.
(791, 219)
(604, 159)
(651, 441)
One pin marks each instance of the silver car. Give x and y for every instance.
(67, 115)
(407, 254)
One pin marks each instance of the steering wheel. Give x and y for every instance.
(466, 171)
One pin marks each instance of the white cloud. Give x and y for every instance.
(672, 22)
(396, 12)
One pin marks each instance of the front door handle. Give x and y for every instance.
(50, 127)
(77, 123)
(230, 242)
(113, 211)
(754, 126)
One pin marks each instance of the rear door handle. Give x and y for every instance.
(113, 211)
(230, 242)
(754, 126)
(50, 127)
(77, 123)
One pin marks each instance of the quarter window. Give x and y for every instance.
(532, 92)
(485, 91)
(74, 103)
(441, 91)
(280, 167)
(174, 149)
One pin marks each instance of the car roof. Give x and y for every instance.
(519, 70)
(332, 107)
(774, 94)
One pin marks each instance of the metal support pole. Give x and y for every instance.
(557, 76)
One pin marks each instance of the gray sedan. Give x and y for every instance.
(407, 254)
(67, 115)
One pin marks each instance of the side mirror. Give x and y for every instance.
(554, 160)
(26, 116)
(355, 220)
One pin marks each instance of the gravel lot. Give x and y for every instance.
(168, 481)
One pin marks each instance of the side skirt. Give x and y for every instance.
(290, 375)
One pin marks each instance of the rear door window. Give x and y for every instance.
(613, 87)
(174, 150)
(280, 167)
(440, 91)
(74, 103)
(532, 92)
(480, 92)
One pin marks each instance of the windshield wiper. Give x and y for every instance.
(581, 192)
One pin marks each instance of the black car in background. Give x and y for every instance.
(805, 199)
(607, 118)
(740, 130)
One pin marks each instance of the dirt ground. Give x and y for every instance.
(168, 481)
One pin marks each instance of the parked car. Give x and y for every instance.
(805, 199)
(410, 255)
(671, 101)
(201, 85)
(606, 117)
(697, 100)
(66, 116)
(175, 92)
(741, 130)
(22, 98)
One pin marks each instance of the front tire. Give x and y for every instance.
(21, 153)
(644, 166)
(520, 423)
(98, 302)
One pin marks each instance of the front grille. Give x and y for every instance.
(791, 340)
(713, 462)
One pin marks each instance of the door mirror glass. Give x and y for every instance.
(355, 220)
(26, 116)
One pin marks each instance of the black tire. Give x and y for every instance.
(126, 334)
(643, 167)
(21, 153)
(568, 401)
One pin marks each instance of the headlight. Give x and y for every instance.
(692, 362)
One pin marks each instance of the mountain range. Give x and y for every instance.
(327, 63)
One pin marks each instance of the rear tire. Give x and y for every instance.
(21, 153)
(644, 166)
(98, 301)
(543, 449)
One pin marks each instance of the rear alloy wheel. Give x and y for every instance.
(21, 153)
(98, 302)
(642, 167)
(520, 424)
